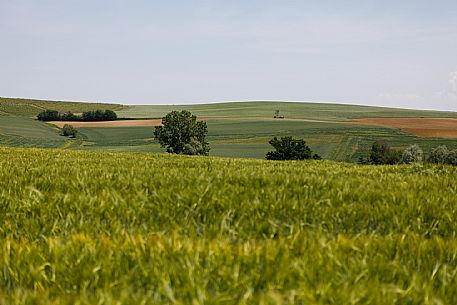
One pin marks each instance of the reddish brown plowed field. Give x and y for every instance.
(425, 127)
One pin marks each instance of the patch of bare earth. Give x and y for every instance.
(119, 123)
(424, 127)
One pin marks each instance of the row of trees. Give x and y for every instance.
(88, 116)
(382, 153)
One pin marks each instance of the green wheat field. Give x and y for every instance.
(88, 227)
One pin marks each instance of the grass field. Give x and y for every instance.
(132, 228)
(236, 129)
(249, 138)
(30, 107)
(288, 109)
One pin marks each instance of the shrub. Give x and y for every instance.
(412, 154)
(288, 148)
(381, 153)
(68, 131)
(452, 157)
(439, 155)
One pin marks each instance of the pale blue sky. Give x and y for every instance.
(392, 53)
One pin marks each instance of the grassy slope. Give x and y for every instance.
(24, 132)
(288, 109)
(30, 107)
(244, 132)
(249, 125)
(249, 138)
(18, 126)
(91, 227)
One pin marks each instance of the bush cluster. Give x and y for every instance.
(88, 116)
(68, 131)
(381, 153)
(288, 148)
(442, 155)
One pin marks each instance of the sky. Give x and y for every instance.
(400, 53)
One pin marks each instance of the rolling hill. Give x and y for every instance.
(238, 129)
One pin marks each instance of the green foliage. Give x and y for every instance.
(113, 228)
(181, 133)
(439, 155)
(288, 148)
(98, 115)
(68, 131)
(381, 153)
(49, 115)
(452, 157)
(88, 116)
(413, 154)
(68, 116)
(442, 155)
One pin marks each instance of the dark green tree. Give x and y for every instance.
(69, 117)
(288, 148)
(381, 153)
(68, 131)
(49, 115)
(181, 133)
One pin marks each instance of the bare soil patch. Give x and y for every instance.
(424, 127)
(118, 123)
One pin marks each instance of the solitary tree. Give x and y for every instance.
(288, 148)
(181, 133)
(68, 131)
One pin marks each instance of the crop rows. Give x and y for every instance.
(131, 228)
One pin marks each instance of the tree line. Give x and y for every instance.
(88, 116)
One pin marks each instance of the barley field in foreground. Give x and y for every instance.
(81, 227)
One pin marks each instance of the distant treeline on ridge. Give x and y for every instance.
(88, 116)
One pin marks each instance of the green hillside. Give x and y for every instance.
(235, 129)
(131, 228)
(261, 109)
(30, 107)
(248, 138)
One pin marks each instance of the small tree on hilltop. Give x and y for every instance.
(181, 133)
(288, 148)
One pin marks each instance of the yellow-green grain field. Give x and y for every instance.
(80, 227)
